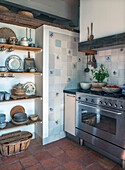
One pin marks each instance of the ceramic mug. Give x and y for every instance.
(33, 70)
(1, 96)
(7, 96)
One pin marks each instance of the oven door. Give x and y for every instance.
(100, 122)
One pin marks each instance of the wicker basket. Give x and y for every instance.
(15, 142)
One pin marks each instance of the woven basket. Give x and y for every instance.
(15, 142)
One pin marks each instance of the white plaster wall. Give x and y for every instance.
(108, 17)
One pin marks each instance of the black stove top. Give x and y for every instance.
(114, 95)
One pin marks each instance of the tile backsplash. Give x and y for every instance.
(65, 69)
(114, 61)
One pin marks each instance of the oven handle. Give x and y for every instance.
(103, 109)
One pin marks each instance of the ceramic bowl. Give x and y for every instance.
(3, 69)
(24, 43)
(2, 117)
(3, 40)
(111, 90)
(2, 125)
(85, 86)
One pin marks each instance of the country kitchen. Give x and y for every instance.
(62, 84)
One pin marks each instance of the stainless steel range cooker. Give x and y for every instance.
(100, 121)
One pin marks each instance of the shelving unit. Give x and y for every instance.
(12, 126)
(24, 73)
(19, 47)
(30, 98)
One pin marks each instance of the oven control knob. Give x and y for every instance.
(121, 107)
(115, 105)
(92, 100)
(79, 98)
(100, 102)
(105, 103)
(110, 104)
(86, 99)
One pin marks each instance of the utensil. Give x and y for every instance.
(7, 96)
(13, 40)
(91, 36)
(89, 63)
(94, 63)
(30, 88)
(85, 86)
(3, 69)
(13, 62)
(111, 90)
(17, 109)
(30, 39)
(2, 40)
(2, 117)
(6, 33)
(33, 117)
(88, 33)
(86, 69)
(26, 13)
(29, 63)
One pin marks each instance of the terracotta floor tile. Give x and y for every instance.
(49, 163)
(7, 160)
(50, 145)
(35, 167)
(95, 166)
(28, 161)
(73, 165)
(95, 155)
(43, 155)
(55, 151)
(62, 141)
(33, 142)
(117, 167)
(13, 166)
(85, 160)
(59, 168)
(66, 146)
(75, 153)
(1, 168)
(107, 163)
(24, 154)
(63, 158)
(84, 149)
(36, 149)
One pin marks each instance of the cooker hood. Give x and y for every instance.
(109, 42)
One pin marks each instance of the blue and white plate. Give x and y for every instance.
(30, 89)
(17, 71)
(13, 62)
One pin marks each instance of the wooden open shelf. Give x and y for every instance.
(19, 47)
(17, 19)
(30, 98)
(12, 126)
(20, 73)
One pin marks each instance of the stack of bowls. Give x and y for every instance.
(20, 117)
(2, 120)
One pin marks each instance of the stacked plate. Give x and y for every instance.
(20, 117)
(2, 120)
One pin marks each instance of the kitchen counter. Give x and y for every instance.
(112, 95)
(72, 91)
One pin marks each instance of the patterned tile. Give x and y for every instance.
(108, 58)
(58, 43)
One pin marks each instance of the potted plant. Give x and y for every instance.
(100, 76)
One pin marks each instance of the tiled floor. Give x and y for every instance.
(59, 155)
